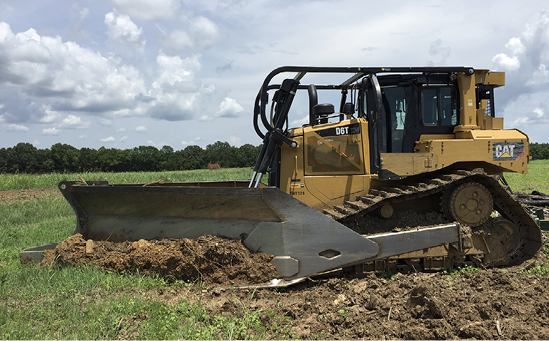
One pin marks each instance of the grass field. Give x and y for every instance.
(87, 303)
(536, 179)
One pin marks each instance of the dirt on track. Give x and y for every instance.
(492, 304)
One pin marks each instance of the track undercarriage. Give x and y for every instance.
(498, 231)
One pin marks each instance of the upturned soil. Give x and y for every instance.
(493, 304)
(213, 260)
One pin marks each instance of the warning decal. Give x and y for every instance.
(508, 151)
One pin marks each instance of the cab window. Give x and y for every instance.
(439, 106)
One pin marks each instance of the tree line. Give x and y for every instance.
(64, 158)
(539, 151)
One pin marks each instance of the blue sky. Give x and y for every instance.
(125, 73)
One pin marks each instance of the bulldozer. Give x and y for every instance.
(403, 142)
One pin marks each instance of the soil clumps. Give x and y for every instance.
(492, 304)
(213, 260)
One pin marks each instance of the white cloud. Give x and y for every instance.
(193, 142)
(524, 97)
(108, 139)
(35, 143)
(174, 89)
(81, 136)
(49, 117)
(201, 34)
(205, 32)
(180, 40)
(65, 76)
(50, 131)
(540, 77)
(535, 117)
(205, 118)
(74, 122)
(122, 29)
(123, 138)
(229, 107)
(300, 122)
(506, 62)
(105, 122)
(17, 127)
(173, 69)
(156, 145)
(141, 129)
(235, 141)
(121, 130)
(149, 10)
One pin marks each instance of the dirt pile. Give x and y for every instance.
(492, 304)
(214, 260)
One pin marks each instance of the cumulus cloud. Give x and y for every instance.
(49, 116)
(74, 122)
(524, 98)
(193, 142)
(229, 107)
(64, 76)
(108, 139)
(149, 10)
(122, 29)
(174, 71)
(201, 34)
(539, 115)
(123, 138)
(17, 127)
(235, 141)
(174, 89)
(512, 62)
(205, 32)
(141, 129)
(50, 131)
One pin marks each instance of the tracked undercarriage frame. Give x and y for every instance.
(506, 239)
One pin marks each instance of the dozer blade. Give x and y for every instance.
(303, 240)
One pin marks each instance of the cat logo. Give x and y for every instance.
(508, 151)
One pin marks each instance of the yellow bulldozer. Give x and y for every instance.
(405, 142)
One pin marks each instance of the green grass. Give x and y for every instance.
(536, 179)
(24, 181)
(89, 303)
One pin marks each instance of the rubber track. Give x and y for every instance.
(504, 203)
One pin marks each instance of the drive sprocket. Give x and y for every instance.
(469, 203)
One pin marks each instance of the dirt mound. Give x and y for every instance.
(492, 304)
(214, 260)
